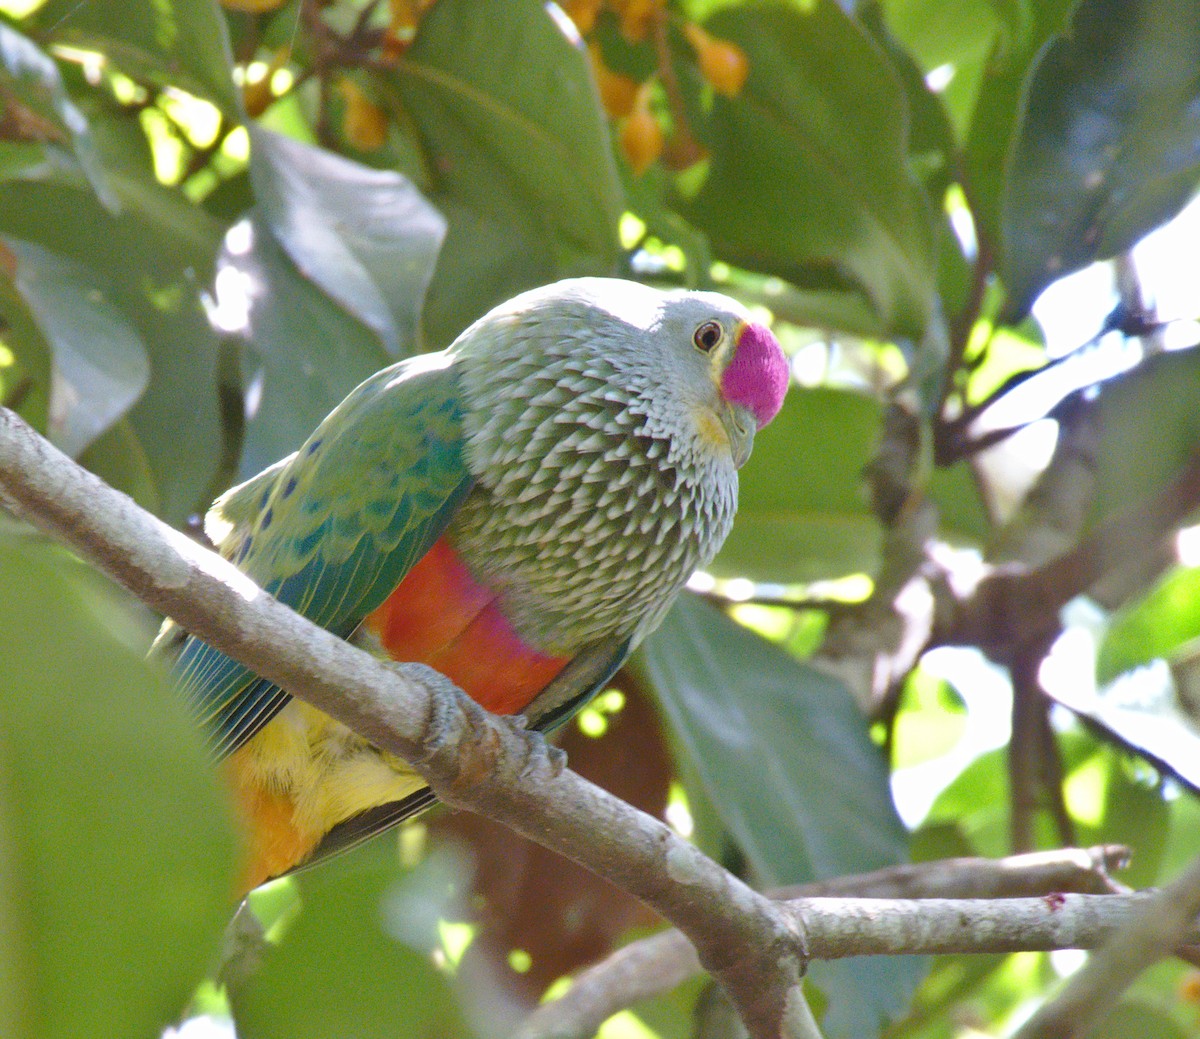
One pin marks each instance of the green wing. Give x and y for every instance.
(334, 528)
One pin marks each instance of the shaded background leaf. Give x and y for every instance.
(183, 45)
(367, 237)
(382, 981)
(1109, 142)
(304, 353)
(821, 103)
(802, 509)
(51, 116)
(157, 255)
(765, 733)
(100, 365)
(115, 891)
(520, 165)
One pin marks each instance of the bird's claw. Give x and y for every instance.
(537, 748)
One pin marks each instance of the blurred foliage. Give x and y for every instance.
(214, 221)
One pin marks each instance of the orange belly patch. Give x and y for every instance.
(438, 615)
(441, 616)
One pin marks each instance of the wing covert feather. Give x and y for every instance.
(332, 529)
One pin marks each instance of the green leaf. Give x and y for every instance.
(521, 165)
(25, 383)
(961, 512)
(381, 980)
(99, 366)
(931, 720)
(182, 45)
(1154, 627)
(367, 237)
(34, 80)
(815, 801)
(1140, 1018)
(116, 849)
(157, 255)
(809, 175)
(1109, 142)
(304, 352)
(118, 458)
(722, 688)
(802, 513)
(994, 113)
(960, 34)
(1149, 428)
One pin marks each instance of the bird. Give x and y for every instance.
(517, 511)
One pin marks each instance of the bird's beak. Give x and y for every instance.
(740, 425)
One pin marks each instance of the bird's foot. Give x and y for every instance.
(538, 748)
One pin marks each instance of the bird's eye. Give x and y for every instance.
(707, 336)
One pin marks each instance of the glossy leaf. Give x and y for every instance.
(304, 352)
(958, 36)
(25, 382)
(381, 980)
(157, 255)
(802, 511)
(992, 120)
(35, 83)
(785, 759)
(367, 237)
(521, 165)
(1157, 625)
(1109, 142)
(183, 45)
(809, 177)
(1145, 1020)
(100, 365)
(1149, 428)
(118, 851)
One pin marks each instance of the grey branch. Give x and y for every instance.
(657, 964)
(473, 760)
(1163, 922)
(840, 927)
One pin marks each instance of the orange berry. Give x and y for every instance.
(402, 16)
(1189, 987)
(8, 262)
(257, 95)
(641, 140)
(618, 93)
(582, 13)
(636, 17)
(364, 124)
(722, 63)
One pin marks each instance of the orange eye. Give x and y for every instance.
(707, 336)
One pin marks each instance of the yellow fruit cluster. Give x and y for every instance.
(722, 63)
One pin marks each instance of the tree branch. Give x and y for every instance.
(1163, 921)
(472, 759)
(657, 964)
(842, 927)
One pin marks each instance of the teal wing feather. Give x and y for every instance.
(333, 529)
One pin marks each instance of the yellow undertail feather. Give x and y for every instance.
(298, 778)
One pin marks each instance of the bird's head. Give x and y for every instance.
(732, 373)
(690, 363)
